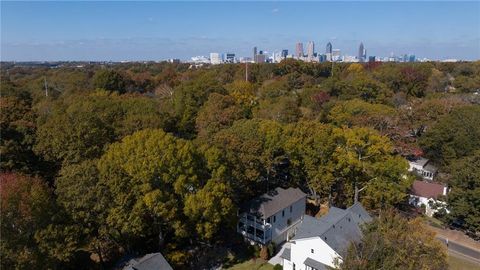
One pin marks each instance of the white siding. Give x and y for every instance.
(280, 226)
(302, 249)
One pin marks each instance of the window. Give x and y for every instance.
(312, 251)
(283, 213)
(274, 218)
(268, 220)
(291, 208)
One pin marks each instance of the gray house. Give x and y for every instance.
(153, 261)
(272, 216)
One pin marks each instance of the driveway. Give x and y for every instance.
(276, 259)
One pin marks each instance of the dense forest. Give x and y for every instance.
(104, 161)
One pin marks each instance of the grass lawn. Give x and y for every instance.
(458, 263)
(258, 264)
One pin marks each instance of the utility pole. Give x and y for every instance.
(46, 86)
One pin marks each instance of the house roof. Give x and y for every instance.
(429, 167)
(286, 254)
(420, 161)
(153, 261)
(427, 189)
(315, 264)
(272, 202)
(337, 228)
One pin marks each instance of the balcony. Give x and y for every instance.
(254, 229)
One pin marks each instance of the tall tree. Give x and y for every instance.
(464, 197)
(109, 80)
(147, 177)
(392, 242)
(454, 136)
(219, 112)
(364, 159)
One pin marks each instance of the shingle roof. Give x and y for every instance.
(427, 189)
(153, 261)
(286, 254)
(272, 202)
(315, 264)
(337, 228)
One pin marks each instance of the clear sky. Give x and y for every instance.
(160, 30)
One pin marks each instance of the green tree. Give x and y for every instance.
(464, 197)
(282, 109)
(211, 209)
(80, 194)
(392, 242)
(72, 138)
(310, 146)
(251, 151)
(454, 136)
(109, 80)
(17, 130)
(217, 113)
(362, 114)
(147, 177)
(364, 159)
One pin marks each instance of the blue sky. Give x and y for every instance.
(160, 30)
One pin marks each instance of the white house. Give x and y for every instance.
(318, 243)
(422, 167)
(272, 216)
(427, 194)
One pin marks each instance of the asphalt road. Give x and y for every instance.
(453, 246)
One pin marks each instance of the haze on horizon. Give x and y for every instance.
(97, 31)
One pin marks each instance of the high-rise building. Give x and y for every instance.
(329, 48)
(371, 59)
(215, 58)
(230, 58)
(254, 52)
(299, 50)
(362, 53)
(310, 50)
(328, 52)
(411, 58)
(284, 54)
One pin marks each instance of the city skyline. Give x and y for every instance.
(45, 31)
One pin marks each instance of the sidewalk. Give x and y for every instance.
(456, 236)
(276, 259)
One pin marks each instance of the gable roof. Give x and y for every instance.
(272, 202)
(153, 261)
(427, 189)
(337, 228)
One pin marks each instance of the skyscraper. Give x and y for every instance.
(299, 50)
(362, 53)
(329, 48)
(254, 53)
(328, 52)
(310, 50)
(215, 58)
(284, 54)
